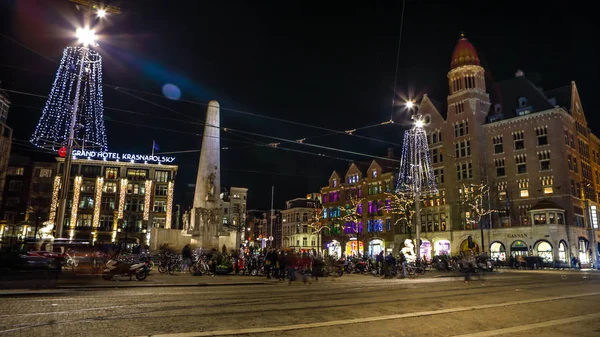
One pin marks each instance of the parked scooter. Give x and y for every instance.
(484, 262)
(119, 268)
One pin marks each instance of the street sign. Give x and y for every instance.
(270, 238)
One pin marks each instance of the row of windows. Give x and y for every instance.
(521, 163)
(131, 204)
(88, 186)
(90, 171)
(519, 139)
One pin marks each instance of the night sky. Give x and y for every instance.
(331, 66)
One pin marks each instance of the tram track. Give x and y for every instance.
(279, 302)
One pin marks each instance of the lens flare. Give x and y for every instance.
(171, 91)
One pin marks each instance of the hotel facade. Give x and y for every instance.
(115, 201)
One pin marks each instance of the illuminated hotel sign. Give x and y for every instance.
(594, 216)
(99, 155)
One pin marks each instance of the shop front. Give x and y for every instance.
(425, 249)
(519, 248)
(441, 247)
(375, 247)
(334, 249)
(544, 250)
(354, 248)
(562, 252)
(582, 250)
(498, 251)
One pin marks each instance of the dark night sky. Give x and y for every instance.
(325, 65)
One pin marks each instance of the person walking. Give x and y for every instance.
(270, 261)
(402, 261)
(379, 262)
(292, 264)
(186, 255)
(282, 262)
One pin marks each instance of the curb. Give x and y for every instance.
(165, 285)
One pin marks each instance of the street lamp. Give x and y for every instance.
(86, 36)
(101, 13)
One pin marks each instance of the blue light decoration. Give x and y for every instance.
(52, 130)
(416, 173)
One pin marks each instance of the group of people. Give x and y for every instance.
(280, 265)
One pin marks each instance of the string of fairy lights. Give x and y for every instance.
(52, 130)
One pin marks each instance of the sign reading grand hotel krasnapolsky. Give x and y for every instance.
(122, 156)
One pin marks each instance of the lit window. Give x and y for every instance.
(548, 190)
(524, 193)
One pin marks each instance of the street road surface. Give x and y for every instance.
(511, 303)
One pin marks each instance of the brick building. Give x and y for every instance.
(533, 148)
(356, 209)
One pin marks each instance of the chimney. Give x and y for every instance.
(519, 73)
(390, 152)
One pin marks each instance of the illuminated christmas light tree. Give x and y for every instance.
(416, 175)
(53, 128)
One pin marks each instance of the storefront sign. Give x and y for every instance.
(99, 155)
(514, 236)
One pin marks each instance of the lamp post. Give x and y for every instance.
(86, 37)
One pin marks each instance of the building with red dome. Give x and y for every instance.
(534, 151)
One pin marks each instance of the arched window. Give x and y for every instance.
(522, 101)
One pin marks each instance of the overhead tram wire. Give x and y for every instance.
(121, 89)
(349, 132)
(252, 142)
(225, 129)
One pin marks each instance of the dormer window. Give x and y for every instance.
(374, 174)
(497, 108)
(353, 179)
(522, 102)
(334, 182)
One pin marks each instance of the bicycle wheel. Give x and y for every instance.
(162, 269)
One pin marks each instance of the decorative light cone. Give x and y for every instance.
(52, 130)
(416, 174)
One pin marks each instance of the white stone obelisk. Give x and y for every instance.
(206, 220)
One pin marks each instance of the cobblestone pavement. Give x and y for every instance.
(504, 303)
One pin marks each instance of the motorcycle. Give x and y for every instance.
(118, 268)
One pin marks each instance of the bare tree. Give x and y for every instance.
(402, 207)
(472, 198)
